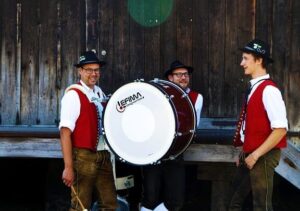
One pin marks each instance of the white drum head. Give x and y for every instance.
(139, 123)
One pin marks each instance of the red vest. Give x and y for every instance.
(193, 96)
(257, 122)
(85, 134)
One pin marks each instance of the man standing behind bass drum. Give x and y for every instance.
(88, 166)
(261, 131)
(169, 176)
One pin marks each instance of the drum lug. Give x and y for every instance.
(170, 96)
(139, 80)
(122, 160)
(178, 134)
(172, 158)
(156, 163)
(184, 95)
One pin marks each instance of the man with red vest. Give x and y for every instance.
(87, 160)
(261, 131)
(169, 176)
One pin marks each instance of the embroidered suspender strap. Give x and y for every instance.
(99, 131)
(237, 137)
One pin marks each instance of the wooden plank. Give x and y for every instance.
(168, 41)
(233, 85)
(121, 44)
(136, 49)
(210, 153)
(30, 61)
(264, 17)
(294, 73)
(216, 57)
(246, 28)
(106, 45)
(232, 71)
(184, 31)
(281, 51)
(200, 52)
(58, 51)
(92, 29)
(31, 148)
(246, 32)
(9, 106)
(152, 43)
(47, 95)
(152, 53)
(18, 60)
(72, 31)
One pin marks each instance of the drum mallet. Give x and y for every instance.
(78, 199)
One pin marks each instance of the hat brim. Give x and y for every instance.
(101, 63)
(169, 71)
(246, 50)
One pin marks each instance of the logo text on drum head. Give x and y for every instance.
(122, 104)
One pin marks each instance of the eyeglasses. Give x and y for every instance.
(91, 70)
(179, 75)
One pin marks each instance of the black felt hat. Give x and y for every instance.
(89, 57)
(259, 48)
(175, 65)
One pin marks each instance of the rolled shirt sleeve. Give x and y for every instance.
(275, 107)
(70, 110)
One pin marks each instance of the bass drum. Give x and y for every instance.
(146, 122)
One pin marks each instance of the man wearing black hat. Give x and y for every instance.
(261, 131)
(87, 160)
(169, 176)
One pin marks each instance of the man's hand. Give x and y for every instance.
(251, 160)
(68, 176)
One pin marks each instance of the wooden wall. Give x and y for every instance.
(40, 40)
